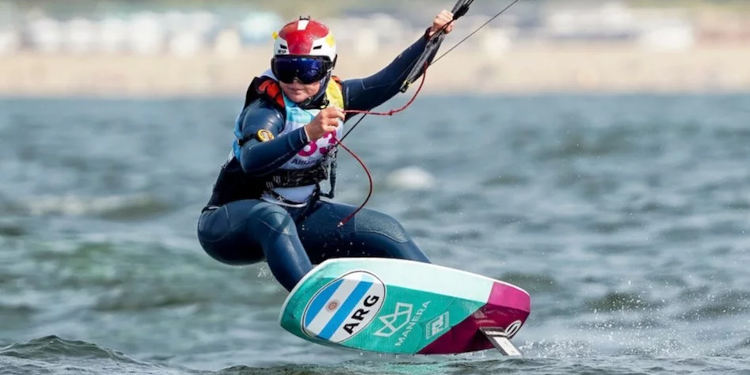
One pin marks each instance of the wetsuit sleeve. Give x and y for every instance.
(370, 92)
(261, 158)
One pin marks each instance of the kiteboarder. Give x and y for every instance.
(267, 201)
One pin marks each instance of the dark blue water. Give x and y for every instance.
(627, 218)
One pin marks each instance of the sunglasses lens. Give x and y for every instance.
(306, 69)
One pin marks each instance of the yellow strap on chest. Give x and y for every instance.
(334, 94)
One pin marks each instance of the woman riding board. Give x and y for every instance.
(266, 202)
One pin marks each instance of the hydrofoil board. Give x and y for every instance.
(406, 307)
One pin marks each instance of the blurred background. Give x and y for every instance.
(167, 48)
(594, 153)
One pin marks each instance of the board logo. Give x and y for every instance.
(403, 317)
(513, 328)
(437, 325)
(344, 307)
(392, 323)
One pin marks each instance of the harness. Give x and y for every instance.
(267, 88)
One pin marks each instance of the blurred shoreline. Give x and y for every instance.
(531, 68)
(120, 49)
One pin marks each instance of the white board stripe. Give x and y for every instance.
(320, 321)
(341, 334)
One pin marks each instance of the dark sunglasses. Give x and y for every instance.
(305, 68)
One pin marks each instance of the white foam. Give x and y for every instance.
(411, 178)
(78, 205)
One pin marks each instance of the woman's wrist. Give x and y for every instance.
(307, 134)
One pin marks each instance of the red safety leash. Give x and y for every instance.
(397, 110)
(362, 163)
(461, 7)
(369, 193)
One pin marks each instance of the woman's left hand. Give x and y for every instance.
(443, 18)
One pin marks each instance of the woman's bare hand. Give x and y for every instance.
(325, 122)
(443, 18)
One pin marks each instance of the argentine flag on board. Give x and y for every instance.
(342, 308)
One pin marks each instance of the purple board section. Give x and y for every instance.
(507, 308)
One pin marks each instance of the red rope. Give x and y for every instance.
(362, 163)
(397, 110)
(369, 193)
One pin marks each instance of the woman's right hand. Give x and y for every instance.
(325, 122)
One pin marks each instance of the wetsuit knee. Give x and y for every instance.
(272, 220)
(370, 221)
(382, 235)
(277, 233)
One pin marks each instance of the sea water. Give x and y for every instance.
(626, 217)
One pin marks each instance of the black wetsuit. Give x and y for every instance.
(237, 227)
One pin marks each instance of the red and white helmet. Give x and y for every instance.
(305, 37)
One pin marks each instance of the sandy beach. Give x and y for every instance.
(536, 68)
